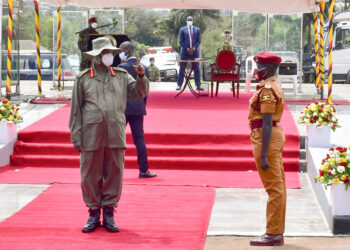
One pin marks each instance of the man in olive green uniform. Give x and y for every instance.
(97, 124)
(154, 74)
(83, 41)
(267, 137)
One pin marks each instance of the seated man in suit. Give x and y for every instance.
(190, 39)
(135, 110)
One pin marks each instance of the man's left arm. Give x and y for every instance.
(198, 40)
(139, 88)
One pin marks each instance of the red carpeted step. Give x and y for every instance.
(154, 138)
(203, 150)
(209, 163)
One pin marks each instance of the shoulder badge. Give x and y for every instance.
(267, 86)
(120, 69)
(83, 72)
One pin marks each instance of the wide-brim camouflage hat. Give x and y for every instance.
(100, 44)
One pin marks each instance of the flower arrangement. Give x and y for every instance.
(9, 112)
(319, 114)
(335, 167)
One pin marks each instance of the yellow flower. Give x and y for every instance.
(331, 160)
(320, 120)
(343, 177)
(0, 116)
(324, 167)
(11, 118)
(322, 178)
(305, 111)
(341, 160)
(325, 123)
(336, 180)
(349, 165)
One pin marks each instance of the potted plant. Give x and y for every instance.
(335, 172)
(9, 116)
(320, 118)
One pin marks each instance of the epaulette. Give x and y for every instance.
(120, 69)
(83, 72)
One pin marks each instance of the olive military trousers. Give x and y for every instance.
(273, 178)
(102, 176)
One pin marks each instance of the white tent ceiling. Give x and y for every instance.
(256, 6)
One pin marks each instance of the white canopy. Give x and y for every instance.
(254, 6)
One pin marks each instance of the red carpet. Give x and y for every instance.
(169, 218)
(199, 178)
(183, 133)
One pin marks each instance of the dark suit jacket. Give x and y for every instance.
(184, 40)
(134, 107)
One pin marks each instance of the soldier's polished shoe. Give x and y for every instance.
(147, 174)
(108, 220)
(93, 221)
(178, 88)
(268, 240)
(199, 88)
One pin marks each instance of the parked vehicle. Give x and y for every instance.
(341, 48)
(28, 66)
(168, 64)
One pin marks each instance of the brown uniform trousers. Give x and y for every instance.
(270, 99)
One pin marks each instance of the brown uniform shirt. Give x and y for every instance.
(271, 101)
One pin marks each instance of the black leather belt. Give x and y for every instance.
(259, 124)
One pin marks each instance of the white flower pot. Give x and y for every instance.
(340, 199)
(8, 132)
(319, 136)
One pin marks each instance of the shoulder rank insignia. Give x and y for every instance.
(120, 69)
(267, 86)
(83, 72)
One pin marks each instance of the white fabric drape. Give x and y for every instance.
(253, 6)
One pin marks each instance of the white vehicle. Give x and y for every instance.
(167, 63)
(341, 48)
(288, 71)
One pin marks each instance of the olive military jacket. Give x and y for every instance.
(97, 110)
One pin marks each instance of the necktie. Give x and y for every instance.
(191, 35)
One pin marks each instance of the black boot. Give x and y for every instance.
(93, 221)
(108, 220)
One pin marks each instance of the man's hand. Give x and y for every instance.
(190, 52)
(264, 163)
(78, 147)
(139, 69)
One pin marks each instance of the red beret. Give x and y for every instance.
(267, 58)
(92, 19)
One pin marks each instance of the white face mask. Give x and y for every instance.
(122, 56)
(107, 59)
(94, 25)
(189, 23)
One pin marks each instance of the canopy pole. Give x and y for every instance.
(322, 5)
(9, 49)
(317, 59)
(267, 33)
(38, 63)
(330, 52)
(59, 47)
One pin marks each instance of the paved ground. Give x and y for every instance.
(236, 212)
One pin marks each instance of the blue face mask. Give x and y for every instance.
(122, 56)
(189, 23)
